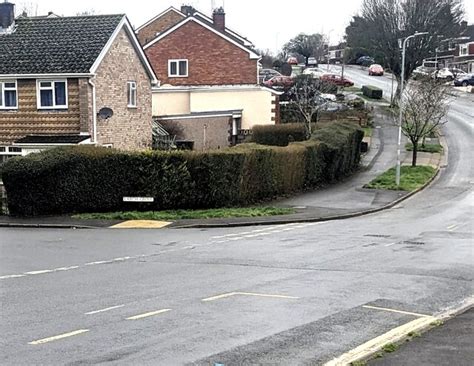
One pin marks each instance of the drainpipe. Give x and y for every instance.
(94, 112)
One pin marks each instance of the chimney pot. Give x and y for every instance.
(187, 10)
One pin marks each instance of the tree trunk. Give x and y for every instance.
(415, 153)
(398, 93)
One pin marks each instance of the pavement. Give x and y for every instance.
(338, 201)
(451, 343)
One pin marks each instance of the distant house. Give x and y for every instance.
(209, 94)
(72, 80)
(457, 51)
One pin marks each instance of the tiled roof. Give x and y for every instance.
(226, 33)
(55, 45)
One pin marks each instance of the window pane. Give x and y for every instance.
(60, 91)
(132, 93)
(10, 85)
(134, 97)
(10, 98)
(45, 84)
(183, 68)
(173, 68)
(1, 95)
(46, 97)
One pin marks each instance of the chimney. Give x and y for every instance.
(218, 17)
(7, 15)
(187, 10)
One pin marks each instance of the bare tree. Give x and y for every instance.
(305, 45)
(27, 8)
(382, 22)
(425, 104)
(306, 98)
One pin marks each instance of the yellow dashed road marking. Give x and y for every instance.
(61, 336)
(141, 224)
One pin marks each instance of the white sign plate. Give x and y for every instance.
(138, 199)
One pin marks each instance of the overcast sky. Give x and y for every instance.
(267, 23)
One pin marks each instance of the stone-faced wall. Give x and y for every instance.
(128, 128)
(167, 20)
(212, 60)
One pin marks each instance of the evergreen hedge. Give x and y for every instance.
(90, 179)
(278, 135)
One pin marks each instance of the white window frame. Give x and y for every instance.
(177, 61)
(7, 154)
(2, 91)
(131, 87)
(463, 50)
(53, 88)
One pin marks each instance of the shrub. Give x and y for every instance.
(278, 135)
(372, 92)
(91, 179)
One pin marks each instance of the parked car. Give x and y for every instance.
(280, 81)
(312, 61)
(420, 72)
(336, 80)
(375, 69)
(265, 74)
(464, 80)
(314, 71)
(365, 61)
(292, 61)
(447, 73)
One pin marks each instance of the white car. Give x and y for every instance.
(314, 71)
(447, 73)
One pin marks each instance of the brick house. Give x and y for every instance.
(457, 51)
(209, 92)
(72, 80)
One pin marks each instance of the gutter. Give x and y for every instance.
(94, 111)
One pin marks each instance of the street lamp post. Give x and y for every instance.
(400, 117)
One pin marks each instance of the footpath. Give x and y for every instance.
(342, 200)
(449, 344)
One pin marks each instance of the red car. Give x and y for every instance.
(336, 80)
(280, 81)
(375, 69)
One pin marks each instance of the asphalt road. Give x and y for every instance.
(290, 294)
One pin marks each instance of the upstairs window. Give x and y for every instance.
(178, 68)
(52, 94)
(8, 95)
(131, 94)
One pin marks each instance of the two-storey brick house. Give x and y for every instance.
(209, 92)
(72, 80)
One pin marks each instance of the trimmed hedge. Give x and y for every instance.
(89, 179)
(278, 135)
(372, 92)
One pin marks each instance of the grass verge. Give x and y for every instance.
(411, 178)
(367, 131)
(187, 214)
(429, 148)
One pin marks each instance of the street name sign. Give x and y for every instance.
(138, 199)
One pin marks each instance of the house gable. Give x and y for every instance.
(212, 58)
(130, 125)
(163, 21)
